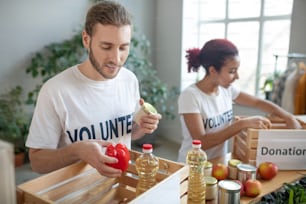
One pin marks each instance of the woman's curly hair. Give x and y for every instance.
(214, 53)
(193, 59)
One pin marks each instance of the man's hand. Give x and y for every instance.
(91, 152)
(149, 123)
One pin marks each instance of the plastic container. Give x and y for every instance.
(228, 192)
(196, 159)
(211, 188)
(245, 172)
(232, 167)
(147, 166)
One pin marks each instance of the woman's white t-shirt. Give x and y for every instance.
(216, 112)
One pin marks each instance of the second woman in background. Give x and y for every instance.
(205, 108)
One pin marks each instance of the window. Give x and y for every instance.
(259, 28)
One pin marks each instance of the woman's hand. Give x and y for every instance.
(257, 122)
(292, 123)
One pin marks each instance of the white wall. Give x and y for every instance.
(143, 12)
(298, 28)
(168, 55)
(26, 27)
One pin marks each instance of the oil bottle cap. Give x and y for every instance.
(147, 148)
(196, 143)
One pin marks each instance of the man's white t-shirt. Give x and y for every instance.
(72, 107)
(216, 112)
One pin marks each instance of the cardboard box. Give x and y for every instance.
(80, 183)
(245, 143)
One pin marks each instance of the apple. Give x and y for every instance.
(252, 187)
(220, 171)
(267, 170)
(242, 191)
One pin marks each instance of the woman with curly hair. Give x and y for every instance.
(205, 108)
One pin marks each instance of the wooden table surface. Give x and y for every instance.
(267, 186)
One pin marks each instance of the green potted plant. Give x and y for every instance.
(152, 89)
(14, 122)
(268, 84)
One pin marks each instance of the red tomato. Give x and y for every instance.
(121, 152)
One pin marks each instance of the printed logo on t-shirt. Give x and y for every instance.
(105, 130)
(218, 120)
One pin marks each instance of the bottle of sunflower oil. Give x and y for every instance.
(196, 159)
(147, 165)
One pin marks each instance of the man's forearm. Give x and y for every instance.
(47, 160)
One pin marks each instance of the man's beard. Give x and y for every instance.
(98, 67)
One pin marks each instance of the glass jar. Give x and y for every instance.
(232, 167)
(211, 187)
(208, 168)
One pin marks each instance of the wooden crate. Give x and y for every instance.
(245, 142)
(80, 183)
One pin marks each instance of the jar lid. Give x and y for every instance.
(234, 162)
(246, 167)
(229, 185)
(209, 180)
(208, 165)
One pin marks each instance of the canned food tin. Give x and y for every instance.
(245, 172)
(232, 167)
(229, 192)
(211, 187)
